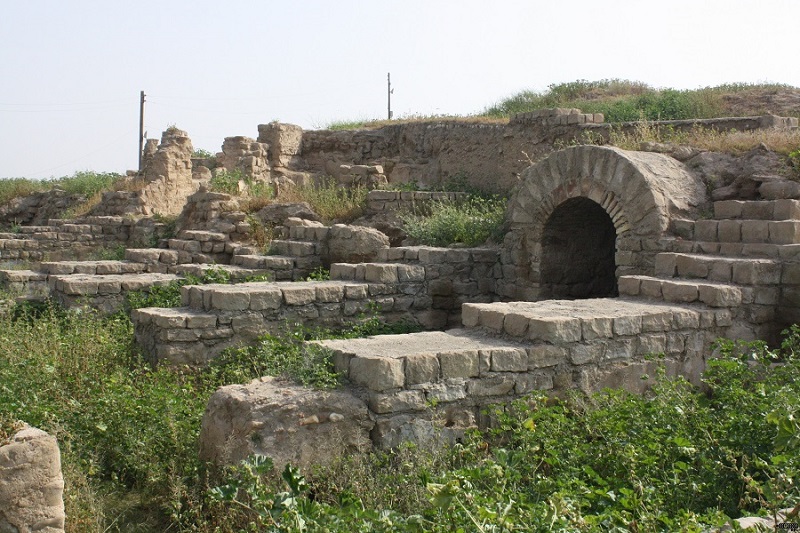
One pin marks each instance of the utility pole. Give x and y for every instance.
(141, 128)
(389, 92)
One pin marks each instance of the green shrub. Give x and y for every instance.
(333, 203)
(226, 182)
(169, 295)
(469, 223)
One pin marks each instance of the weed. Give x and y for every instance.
(330, 201)
(227, 182)
(469, 223)
(319, 274)
(170, 295)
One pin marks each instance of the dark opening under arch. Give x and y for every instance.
(578, 246)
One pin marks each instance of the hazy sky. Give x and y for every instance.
(71, 70)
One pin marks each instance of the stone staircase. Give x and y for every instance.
(746, 259)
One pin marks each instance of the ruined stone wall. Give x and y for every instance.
(166, 182)
(62, 239)
(490, 156)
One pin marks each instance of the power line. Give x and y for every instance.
(98, 149)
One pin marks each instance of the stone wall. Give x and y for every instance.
(71, 239)
(490, 156)
(166, 182)
(36, 209)
(31, 484)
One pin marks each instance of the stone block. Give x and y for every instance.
(652, 344)
(756, 272)
(546, 355)
(343, 271)
(355, 292)
(784, 232)
(581, 354)
(299, 295)
(492, 318)
(395, 402)
(619, 349)
(597, 328)
(377, 373)
(755, 231)
(167, 318)
(629, 285)
(654, 322)
(786, 210)
(450, 390)
(515, 324)
(728, 209)
(526, 383)
(652, 288)
(628, 325)
(665, 266)
(199, 321)
(691, 266)
(729, 231)
(555, 329)
(262, 299)
(330, 293)
(470, 315)
(706, 230)
(491, 386)
(410, 273)
(680, 292)
(720, 296)
(509, 360)
(421, 368)
(380, 273)
(460, 364)
(230, 300)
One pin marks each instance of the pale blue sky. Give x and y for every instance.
(71, 70)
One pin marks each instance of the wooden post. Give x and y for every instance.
(141, 129)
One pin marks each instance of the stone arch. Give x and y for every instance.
(639, 191)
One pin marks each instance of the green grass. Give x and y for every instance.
(85, 183)
(627, 101)
(469, 223)
(679, 459)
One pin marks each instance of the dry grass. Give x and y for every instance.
(412, 119)
(781, 141)
(330, 201)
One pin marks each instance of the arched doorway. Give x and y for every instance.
(578, 247)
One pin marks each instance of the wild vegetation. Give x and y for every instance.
(469, 222)
(629, 101)
(680, 458)
(85, 183)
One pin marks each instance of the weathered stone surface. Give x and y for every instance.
(31, 484)
(286, 422)
(354, 244)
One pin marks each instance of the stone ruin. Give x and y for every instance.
(610, 256)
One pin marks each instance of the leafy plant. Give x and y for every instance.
(469, 223)
(169, 295)
(226, 181)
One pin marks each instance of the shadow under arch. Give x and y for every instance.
(578, 249)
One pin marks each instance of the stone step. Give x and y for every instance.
(197, 247)
(202, 236)
(24, 282)
(735, 249)
(757, 210)
(259, 296)
(378, 272)
(568, 321)
(93, 285)
(308, 233)
(268, 262)
(747, 231)
(38, 229)
(236, 273)
(100, 268)
(158, 259)
(245, 250)
(681, 291)
(430, 254)
(396, 361)
(739, 270)
(294, 248)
